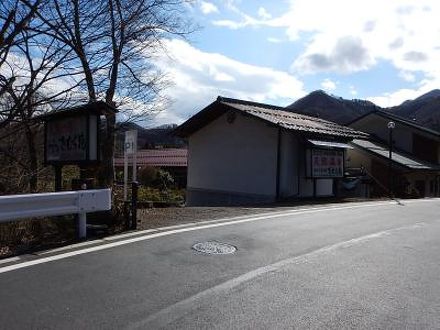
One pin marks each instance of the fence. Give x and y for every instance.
(16, 207)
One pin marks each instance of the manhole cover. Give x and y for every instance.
(213, 247)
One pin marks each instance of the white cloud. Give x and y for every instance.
(234, 25)
(274, 40)
(199, 77)
(262, 12)
(353, 91)
(402, 32)
(394, 98)
(229, 24)
(232, 5)
(245, 20)
(347, 55)
(407, 76)
(223, 77)
(328, 85)
(208, 7)
(55, 83)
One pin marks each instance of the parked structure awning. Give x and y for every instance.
(330, 144)
(398, 157)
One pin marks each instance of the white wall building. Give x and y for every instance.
(245, 152)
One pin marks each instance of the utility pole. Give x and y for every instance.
(391, 125)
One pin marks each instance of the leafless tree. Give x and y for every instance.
(15, 15)
(113, 41)
(34, 69)
(38, 69)
(98, 49)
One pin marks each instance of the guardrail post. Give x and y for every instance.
(82, 225)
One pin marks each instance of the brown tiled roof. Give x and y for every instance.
(275, 115)
(291, 120)
(169, 157)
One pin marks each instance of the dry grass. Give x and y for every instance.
(34, 234)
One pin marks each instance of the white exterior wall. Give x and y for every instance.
(290, 155)
(238, 157)
(306, 188)
(235, 163)
(324, 187)
(293, 158)
(306, 184)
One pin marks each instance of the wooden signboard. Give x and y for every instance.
(72, 140)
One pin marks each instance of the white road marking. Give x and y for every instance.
(179, 309)
(70, 247)
(7, 260)
(182, 230)
(131, 234)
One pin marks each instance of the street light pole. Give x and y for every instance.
(391, 125)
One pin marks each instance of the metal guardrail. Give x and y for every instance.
(16, 207)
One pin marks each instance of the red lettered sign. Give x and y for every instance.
(327, 163)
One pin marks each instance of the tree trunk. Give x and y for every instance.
(33, 160)
(105, 174)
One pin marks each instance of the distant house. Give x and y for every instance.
(247, 152)
(173, 160)
(415, 158)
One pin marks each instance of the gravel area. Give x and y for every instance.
(162, 217)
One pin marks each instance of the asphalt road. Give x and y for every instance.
(371, 265)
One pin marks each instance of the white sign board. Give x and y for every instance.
(130, 144)
(327, 163)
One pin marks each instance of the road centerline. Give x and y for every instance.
(179, 309)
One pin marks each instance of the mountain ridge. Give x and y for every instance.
(423, 110)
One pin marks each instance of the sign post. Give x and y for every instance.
(71, 137)
(130, 148)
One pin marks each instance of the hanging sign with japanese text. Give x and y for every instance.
(327, 163)
(71, 140)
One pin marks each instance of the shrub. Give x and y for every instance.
(155, 195)
(157, 178)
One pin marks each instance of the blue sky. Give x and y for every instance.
(278, 51)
